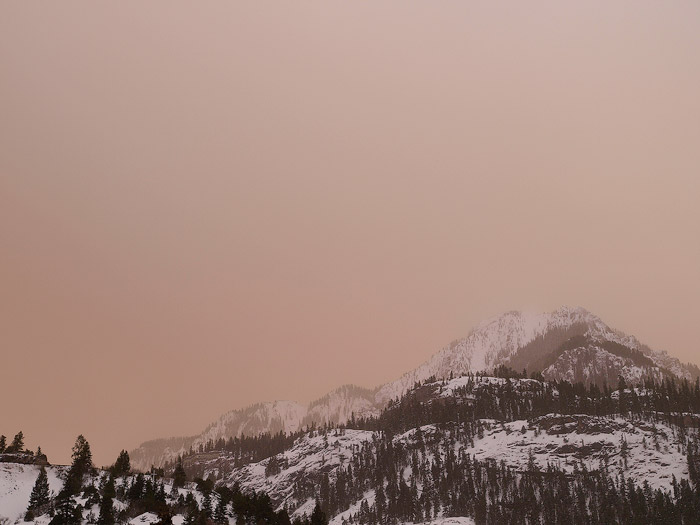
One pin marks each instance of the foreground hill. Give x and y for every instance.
(569, 343)
(16, 482)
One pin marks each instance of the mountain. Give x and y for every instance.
(473, 449)
(446, 441)
(532, 341)
(567, 344)
(256, 419)
(272, 417)
(507, 425)
(340, 405)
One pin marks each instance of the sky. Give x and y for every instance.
(205, 207)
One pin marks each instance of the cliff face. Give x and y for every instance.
(24, 458)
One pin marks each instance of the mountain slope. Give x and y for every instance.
(273, 417)
(487, 449)
(646, 447)
(521, 340)
(16, 483)
(536, 342)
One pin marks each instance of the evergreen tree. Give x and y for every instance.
(136, 491)
(67, 512)
(3, 444)
(164, 517)
(82, 465)
(273, 466)
(192, 513)
(17, 444)
(82, 456)
(318, 517)
(179, 476)
(106, 516)
(40, 492)
(220, 515)
(206, 505)
(122, 466)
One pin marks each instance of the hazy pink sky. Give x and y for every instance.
(203, 206)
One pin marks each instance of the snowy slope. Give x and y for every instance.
(310, 456)
(576, 441)
(594, 364)
(500, 341)
(16, 483)
(655, 452)
(265, 417)
(516, 339)
(256, 419)
(488, 345)
(341, 404)
(288, 416)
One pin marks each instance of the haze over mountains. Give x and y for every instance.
(531, 418)
(568, 344)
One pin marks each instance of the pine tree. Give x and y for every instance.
(624, 449)
(324, 492)
(40, 492)
(164, 517)
(82, 455)
(220, 515)
(67, 513)
(273, 467)
(174, 493)
(179, 476)
(206, 505)
(192, 513)
(122, 466)
(318, 517)
(106, 516)
(82, 465)
(17, 444)
(3, 444)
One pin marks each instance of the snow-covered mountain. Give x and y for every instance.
(340, 405)
(569, 343)
(648, 449)
(256, 419)
(524, 340)
(272, 417)
(433, 456)
(568, 441)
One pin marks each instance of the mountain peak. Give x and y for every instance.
(517, 339)
(568, 343)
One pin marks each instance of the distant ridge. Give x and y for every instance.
(569, 343)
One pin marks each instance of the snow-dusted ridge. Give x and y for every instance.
(517, 339)
(287, 416)
(655, 451)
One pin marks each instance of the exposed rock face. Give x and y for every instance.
(25, 458)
